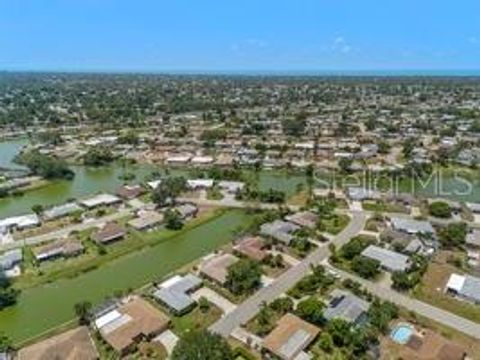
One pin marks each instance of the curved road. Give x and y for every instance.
(249, 308)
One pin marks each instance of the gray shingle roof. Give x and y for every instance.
(412, 226)
(10, 258)
(345, 306)
(389, 259)
(471, 288)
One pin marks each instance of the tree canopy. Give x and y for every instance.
(202, 345)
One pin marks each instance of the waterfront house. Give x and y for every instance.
(62, 248)
(129, 192)
(59, 211)
(21, 222)
(130, 323)
(146, 220)
(175, 292)
(100, 200)
(251, 247)
(111, 231)
(75, 344)
(216, 268)
(187, 210)
(10, 259)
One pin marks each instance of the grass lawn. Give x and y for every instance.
(336, 223)
(195, 320)
(432, 285)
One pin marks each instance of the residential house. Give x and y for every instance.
(389, 260)
(75, 344)
(100, 200)
(124, 327)
(411, 226)
(59, 211)
(57, 249)
(306, 219)
(216, 267)
(175, 293)
(146, 220)
(279, 230)
(10, 259)
(346, 306)
(187, 210)
(360, 194)
(129, 192)
(465, 287)
(111, 231)
(251, 247)
(231, 187)
(21, 222)
(197, 184)
(290, 338)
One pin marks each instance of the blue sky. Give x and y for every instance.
(246, 35)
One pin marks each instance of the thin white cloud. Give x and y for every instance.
(340, 45)
(473, 40)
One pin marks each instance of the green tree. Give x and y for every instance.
(453, 235)
(202, 345)
(173, 220)
(440, 209)
(98, 156)
(37, 209)
(5, 343)
(166, 192)
(366, 267)
(8, 295)
(82, 310)
(243, 276)
(311, 310)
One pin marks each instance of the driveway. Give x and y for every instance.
(218, 300)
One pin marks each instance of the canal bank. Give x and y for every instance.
(46, 307)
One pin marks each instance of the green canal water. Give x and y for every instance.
(42, 308)
(88, 181)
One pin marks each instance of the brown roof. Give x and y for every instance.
(290, 337)
(130, 191)
(217, 267)
(252, 247)
(74, 344)
(303, 218)
(72, 247)
(145, 321)
(111, 231)
(63, 247)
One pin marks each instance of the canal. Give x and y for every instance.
(48, 306)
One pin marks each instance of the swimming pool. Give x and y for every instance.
(402, 333)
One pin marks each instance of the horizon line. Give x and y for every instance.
(263, 72)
